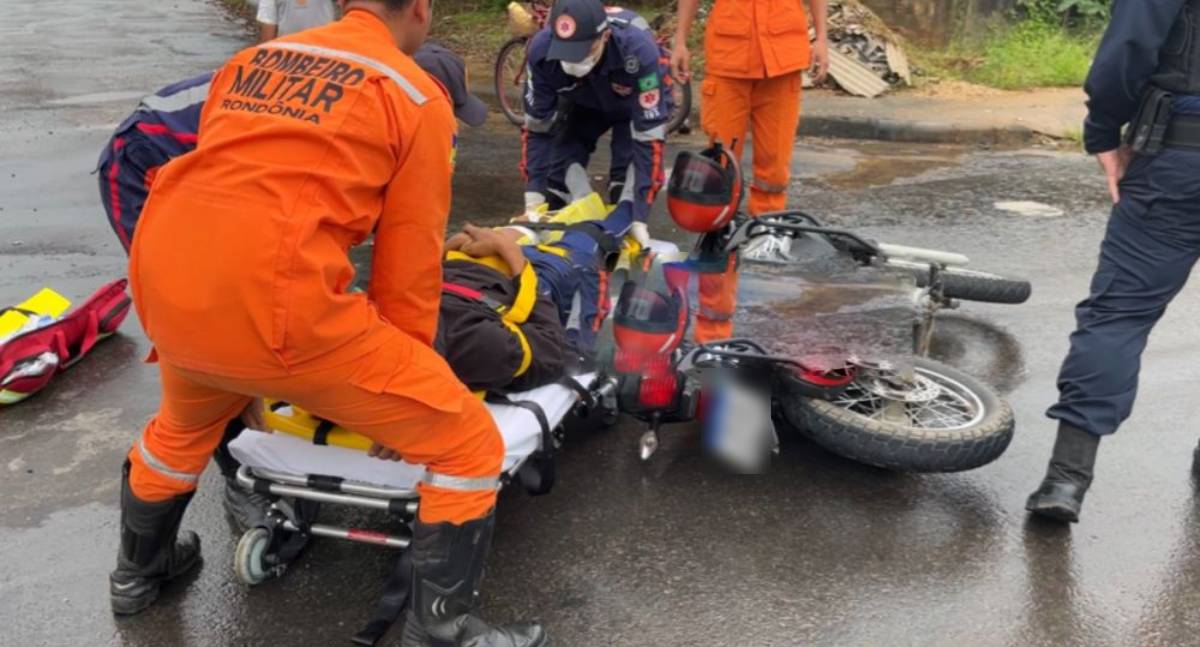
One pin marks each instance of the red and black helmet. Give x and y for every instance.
(705, 189)
(648, 325)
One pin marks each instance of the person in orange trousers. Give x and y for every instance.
(755, 51)
(240, 274)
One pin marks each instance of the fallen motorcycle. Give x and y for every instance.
(916, 415)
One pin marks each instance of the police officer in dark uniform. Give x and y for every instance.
(591, 71)
(1146, 76)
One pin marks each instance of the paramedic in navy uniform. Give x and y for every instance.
(593, 70)
(1151, 47)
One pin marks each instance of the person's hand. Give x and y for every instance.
(383, 453)
(681, 66)
(640, 233)
(253, 416)
(456, 242)
(1114, 163)
(820, 60)
(480, 241)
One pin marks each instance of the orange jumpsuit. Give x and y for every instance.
(754, 52)
(240, 272)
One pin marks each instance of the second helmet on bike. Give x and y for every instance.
(705, 189)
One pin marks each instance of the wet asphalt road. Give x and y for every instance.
(671, 552)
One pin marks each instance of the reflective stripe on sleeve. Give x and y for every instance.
(541, 126)
(155, 464)
(461, 483)
(409, 89)
(657, 133)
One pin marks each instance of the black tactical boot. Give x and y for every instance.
(247, 509)
(447, 564)
(149, 556)
(1070, 473)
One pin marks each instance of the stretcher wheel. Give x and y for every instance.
(609, 416)
(249, 560)
(538, 474)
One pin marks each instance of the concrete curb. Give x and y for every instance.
(873, 128)
(914, 132)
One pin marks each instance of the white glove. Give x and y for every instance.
(640, 233)
(533, 200)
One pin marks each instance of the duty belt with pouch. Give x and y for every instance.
(1148, 131)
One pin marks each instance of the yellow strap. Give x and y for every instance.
(550, 249)
(518, 313)
(527, 292)
(526, 351)
(303, 424)
(494, 262)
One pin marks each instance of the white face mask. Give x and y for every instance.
(580, 69)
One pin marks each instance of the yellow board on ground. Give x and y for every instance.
(46, 303)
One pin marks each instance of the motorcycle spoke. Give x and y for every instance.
(931, 402)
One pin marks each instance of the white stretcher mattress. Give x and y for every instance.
(282, 452)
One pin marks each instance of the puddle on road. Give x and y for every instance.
(820, 317)
(882, 171)
(1029, 208)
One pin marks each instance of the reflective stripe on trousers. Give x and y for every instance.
(461, 483)
(154, 463)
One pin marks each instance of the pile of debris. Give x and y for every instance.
(865, 57)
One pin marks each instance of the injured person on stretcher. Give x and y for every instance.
(521, 307)
(519, 313)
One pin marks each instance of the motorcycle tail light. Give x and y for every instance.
(657, 390)
(627, 362)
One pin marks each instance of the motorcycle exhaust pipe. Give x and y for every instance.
(922, 255)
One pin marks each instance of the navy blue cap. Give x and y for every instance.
(574, 26)
(449, 68)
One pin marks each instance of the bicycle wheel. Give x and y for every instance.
(510, 79)
(678, 123)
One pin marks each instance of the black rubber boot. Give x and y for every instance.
(1072, 464)
(447, 565)
(150, 555)
(247, 509)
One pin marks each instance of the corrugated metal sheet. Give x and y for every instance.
(898, 61)
(854, 77)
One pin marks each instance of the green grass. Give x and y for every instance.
(1028, 54)
(1035, 54)
(476, 29)
(475, 32)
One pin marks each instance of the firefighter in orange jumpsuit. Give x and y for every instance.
(241, 278)
(755, 51)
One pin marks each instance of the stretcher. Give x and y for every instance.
(306, 459)
(308, 462)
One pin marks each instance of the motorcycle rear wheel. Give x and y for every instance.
(953, 421)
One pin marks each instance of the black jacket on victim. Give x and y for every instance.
(482, 350)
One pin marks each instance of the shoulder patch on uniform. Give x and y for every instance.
(648, 99)
(632, 65)
(648, 82)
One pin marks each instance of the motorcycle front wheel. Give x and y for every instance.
(941, 420)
